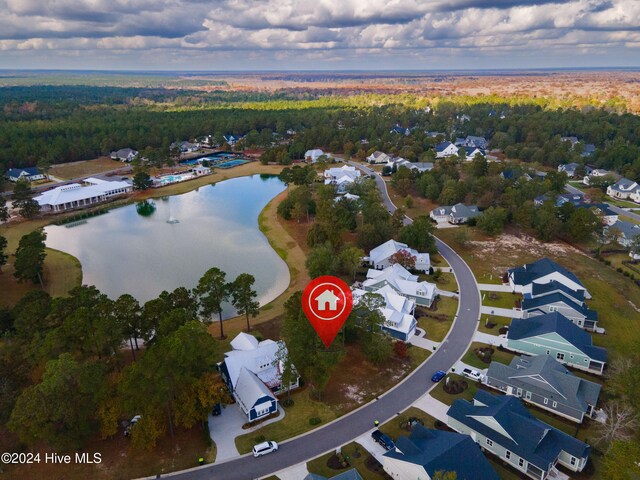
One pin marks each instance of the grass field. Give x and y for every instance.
(439, 394)
(499, 321)
(499, 299)
(85, 168)
(470, 358)
(437, 329)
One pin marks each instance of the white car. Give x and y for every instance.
(264, 448)
(472, 374)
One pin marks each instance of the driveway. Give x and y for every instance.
(224, 429)
(433, 407)
(374, 448)
(348, 427)
(501, 312)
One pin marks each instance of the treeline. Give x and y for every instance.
(60, 128)
(64, 372)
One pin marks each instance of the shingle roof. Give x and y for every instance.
(460, 210)
(556, 323)
(532, 303)
(249, 389)
(628, 229)
(539, 289)
(16, 172)
(437, 450)
(522, 433)
(540, 268)
(440, 147)
(546, 375)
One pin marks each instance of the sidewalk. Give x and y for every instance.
(495, 340)
(491, 287)
(501, 312)
(420, 341)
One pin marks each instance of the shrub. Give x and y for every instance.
(619, 269)
(607, 262)
(315, 421)
(400, 349)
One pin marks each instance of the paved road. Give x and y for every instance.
(618, 210)
(385, 407)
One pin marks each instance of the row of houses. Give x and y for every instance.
(378, 158)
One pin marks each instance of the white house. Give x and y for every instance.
(231, 140)
(521, 279)
(253, 375)
(403, 282)
(440, 214)
(399, 321)
(74, 195)
(381, 256)
(29, 174)
(471, 152)
(622, 189)
(313, 155)
(445, 149)
(594, 173)
(626, 232)
(378, 157)
(124, 154)
(341, 177)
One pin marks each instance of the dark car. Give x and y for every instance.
(439, 375)
(216, 410)
(383, 440)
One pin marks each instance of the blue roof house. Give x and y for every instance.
(29, 174)
(555, 335)
(425, 452)
(544, 270)
(558, 301)
(504, 427)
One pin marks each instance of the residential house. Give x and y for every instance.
(378, 157)
(463, 118)
(504, 427)
(577, 312)
(569, 169)
(554, 335)
(471, 152)
(596, 173)
(313, 155)
(572, 140)
(200, 170)
(626, 232)
(381, 256)
(544, 270)
(440, 214)
(515, 174)
(588, 150)
(547, 384)
(399, 321)
(573, 198)
(419, 167)
(341, 177)
(445, 149)
(347, 196)
(253, 375)
(124, 154)
(635, 196)
(401, 130)
(461, 213)
(347, 475)
(29, 174)
(75, 195)
(403, 282)
(622, 189)
(427, 451)
(602, 211)
(185, 147)
(475, 142)
(206, 141)
(435, 134)
(231, 140)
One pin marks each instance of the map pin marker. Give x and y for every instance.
(327, 302)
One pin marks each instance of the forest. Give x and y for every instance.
(58, 124)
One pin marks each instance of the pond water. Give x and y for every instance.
(170, 242)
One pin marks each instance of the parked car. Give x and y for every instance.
(217, 410)
(383, 440)
(439, 375)
(472, 374)
(264, 448)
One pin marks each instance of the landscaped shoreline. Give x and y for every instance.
(66, 270)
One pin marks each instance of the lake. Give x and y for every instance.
(137, 249)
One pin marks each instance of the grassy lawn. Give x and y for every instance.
(436, 328)
(439, 394)
(356, 456)
(499, 321)
(447, 281)
(295, 422)
(620, 203)
(393, 428)
(499, 299)
(438, 260)
(66, 171)
(616, 260)
(470, 358)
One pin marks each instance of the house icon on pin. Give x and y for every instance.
(327, 298)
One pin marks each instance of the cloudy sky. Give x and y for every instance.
(318, 34)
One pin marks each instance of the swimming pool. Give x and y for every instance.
(195, 161)
(231, 163)
(174, 178)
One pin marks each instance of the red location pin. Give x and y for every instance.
(327, 302)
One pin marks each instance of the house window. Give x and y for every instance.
(519, 392)
(507, 454)
(521, 462)
(586, 360)
(560, 356)
(546, 401)
(573, 461)
(553, 308)
(548, 352)
(555, 404)
(489, 442)
(527, 395)
(571, 357)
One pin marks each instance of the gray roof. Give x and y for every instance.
(528, 437)
(549, 378)
(556, 323)
(473, 141)
(249, 389)
(529, 304)
(627, 229)
(540, 289)
(460, 210)
(442, 210)
(623, 185)
(437, 450)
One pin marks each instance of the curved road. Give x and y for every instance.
(350, 426)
